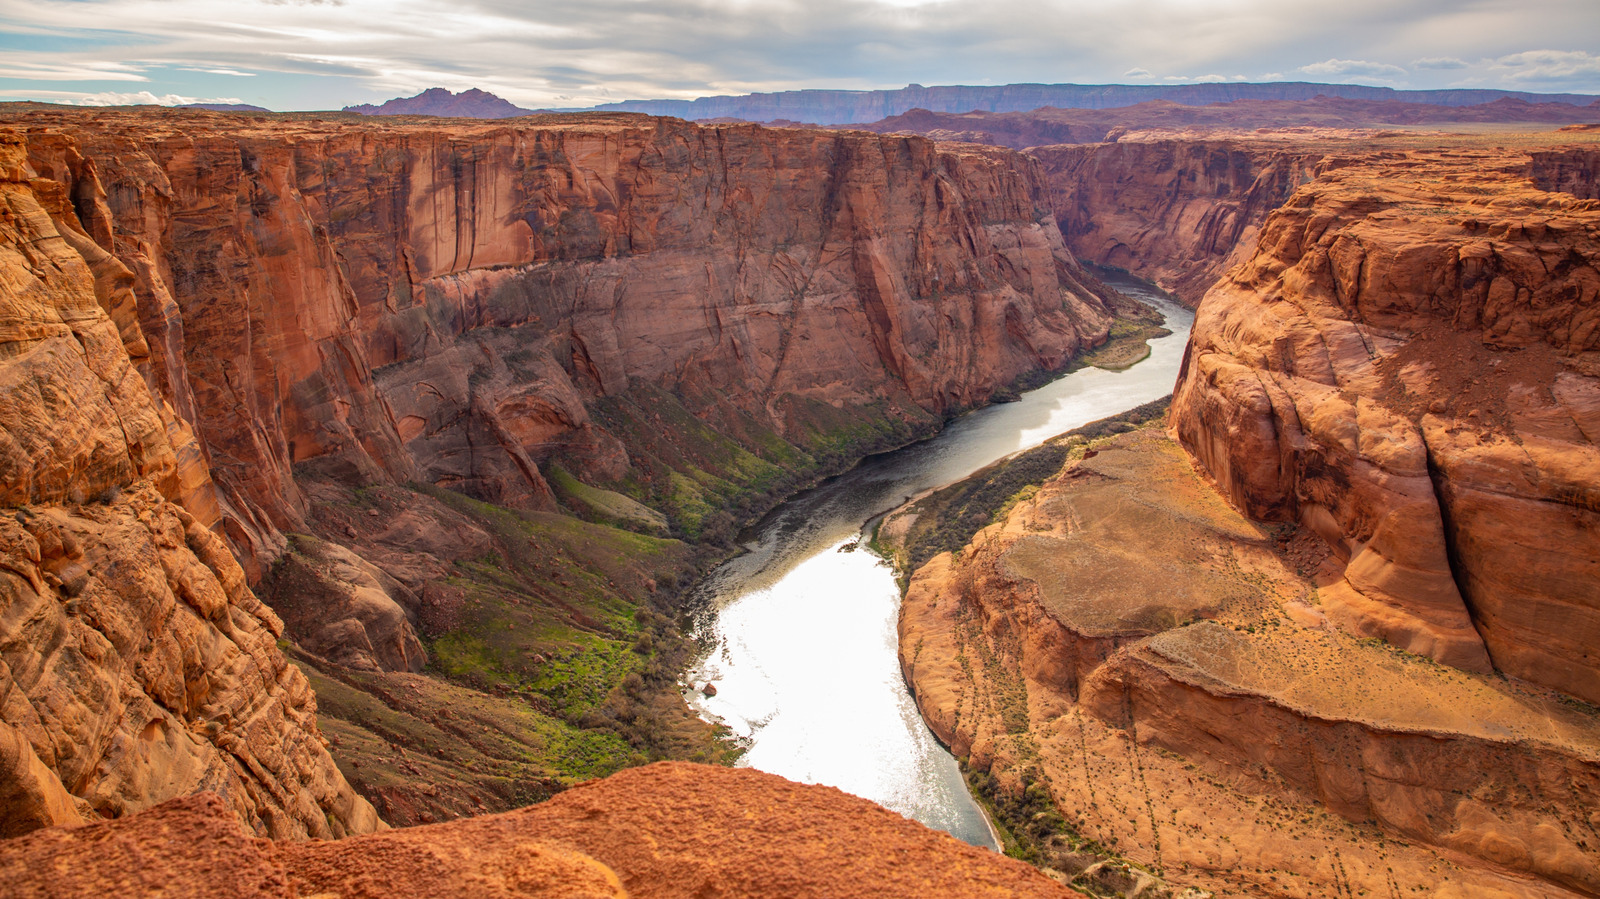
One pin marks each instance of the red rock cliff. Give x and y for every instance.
(1179, 213)
(446, 303)
(135, 663)
(1407, 365)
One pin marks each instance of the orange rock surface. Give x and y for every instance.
(1169, 670)
(135, 663)
(1407, 365)
(385, 301)
(667, 830)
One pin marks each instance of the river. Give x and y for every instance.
(802, 625)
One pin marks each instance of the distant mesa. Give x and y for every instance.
(800, 108)
(843, 107)
(225, 107)
(1052, 126)
(436, 101)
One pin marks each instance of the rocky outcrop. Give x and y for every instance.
(1166, 669)
(1176, 212)
(668, 830)
(135, 663)
(1405, 365)
(383, 303)
(345, 609)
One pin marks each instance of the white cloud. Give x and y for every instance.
(1210, 79)
(233, 72)
(141, 98)
(1547, 67)
(87, 70)
(574, 52)
(1438, 62)
(1354, 68)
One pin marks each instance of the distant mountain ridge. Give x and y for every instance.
(837, 107)
(225, 107)
(841, 107)
(1040, 127)
(437, 101)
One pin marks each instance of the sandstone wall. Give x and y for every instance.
(1257, 750)
(1179, 213)
(386, 302)
(1406, 365)
(135, 663)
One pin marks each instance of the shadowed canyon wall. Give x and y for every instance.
(1179, 213)
(415, 303)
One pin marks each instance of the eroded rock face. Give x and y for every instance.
(1169, 671)
(224, 323)
(388, 302)
(135, 663)
(1406, 365)
(666, 830)
(1177, 212)
(345, 609)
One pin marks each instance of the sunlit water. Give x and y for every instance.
(803, 624)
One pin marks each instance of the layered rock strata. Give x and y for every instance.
(388, 302)
(1169, 672)
(135, 663)
(1407, 365)
(1176, 212)
(661, 831)
(1396, 389)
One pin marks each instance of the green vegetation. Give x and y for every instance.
(1032, 830)
(604, 506)
(710, 468)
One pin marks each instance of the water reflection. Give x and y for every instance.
(805, 656)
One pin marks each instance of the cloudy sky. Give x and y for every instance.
(323, 54)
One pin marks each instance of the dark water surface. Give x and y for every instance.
(803, 624)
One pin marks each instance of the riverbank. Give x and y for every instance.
(1141, 678)
(844, 717)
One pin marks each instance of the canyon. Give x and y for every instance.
(468, 407)
(1327, 626)
(356, 471)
